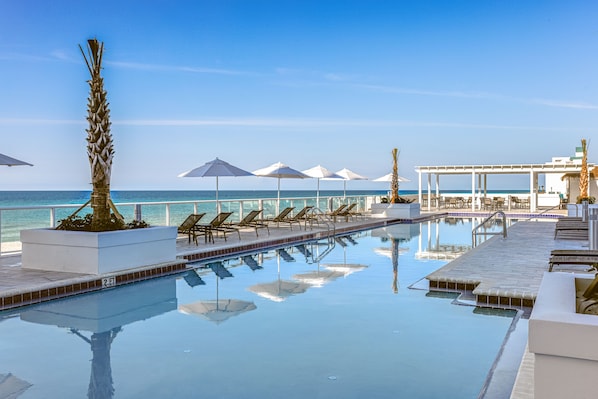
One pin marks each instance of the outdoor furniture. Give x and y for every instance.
(571, 228)
(563, 201)
(217, 225)
(499, 202)
(347, 212)
(250, 220)
(302, 216)
(189, 226)
(486, 204)
(574, 257)
(335, 212)
(283, 217)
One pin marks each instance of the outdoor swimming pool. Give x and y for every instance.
(323, 320)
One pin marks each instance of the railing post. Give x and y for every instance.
(593, 228)
(167, 214)
(138, 212)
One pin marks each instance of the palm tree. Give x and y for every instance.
(583, 175)
(394, 183)
(99, 140)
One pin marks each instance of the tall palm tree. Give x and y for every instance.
(100, 149)
(394, 183)
(583, 176)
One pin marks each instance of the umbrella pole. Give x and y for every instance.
(278, 200)
(344, 189)
(217, 202)
(318, 195)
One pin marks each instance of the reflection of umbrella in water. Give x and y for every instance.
(344, 268)
(279, 171)
(12, 387)
(218, 310)
(216, 168)
(279, 290)
(319, 277)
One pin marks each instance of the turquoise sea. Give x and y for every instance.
(36, 214)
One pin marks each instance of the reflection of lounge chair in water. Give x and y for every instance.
(303, 249)
(339, 240)
(219, 269)
(193, 279)
(350, 239)
(251, 262)
(285, 255)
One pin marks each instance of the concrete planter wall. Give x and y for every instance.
(97, 252)
(400, 211)
(576, 210)
(563, 341)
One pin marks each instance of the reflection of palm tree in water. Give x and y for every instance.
(100, 381)
(395, 265)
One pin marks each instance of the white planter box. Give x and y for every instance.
(97, 252)
(400, 211)
(563, 341)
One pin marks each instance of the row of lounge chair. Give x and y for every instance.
(572, 228)
(193, 228)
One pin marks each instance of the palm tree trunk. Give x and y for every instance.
(99, 139)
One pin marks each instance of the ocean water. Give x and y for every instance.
(184, 202)
(13, 220)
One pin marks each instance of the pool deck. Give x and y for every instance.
(20, 286)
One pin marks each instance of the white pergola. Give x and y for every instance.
(480, 173)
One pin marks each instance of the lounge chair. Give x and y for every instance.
(572, 228)
(347, 212)
(250, 220)
(189, 226)
(283, 217)
(582, 257)
(335, 212)
(217, 225)
(302, 216)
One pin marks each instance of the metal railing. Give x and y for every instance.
(475, 232)
(171, 213)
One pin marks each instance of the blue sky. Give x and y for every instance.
(336, 83)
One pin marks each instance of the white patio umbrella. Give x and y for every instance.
(346, 174)
(388, 178)
(320, 172)
(279, 171)
(216, 168)
(9, 161)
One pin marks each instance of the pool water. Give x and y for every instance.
(324, 320)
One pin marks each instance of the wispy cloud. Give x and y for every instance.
(174, 68)
(564, 104)
(305, 123)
